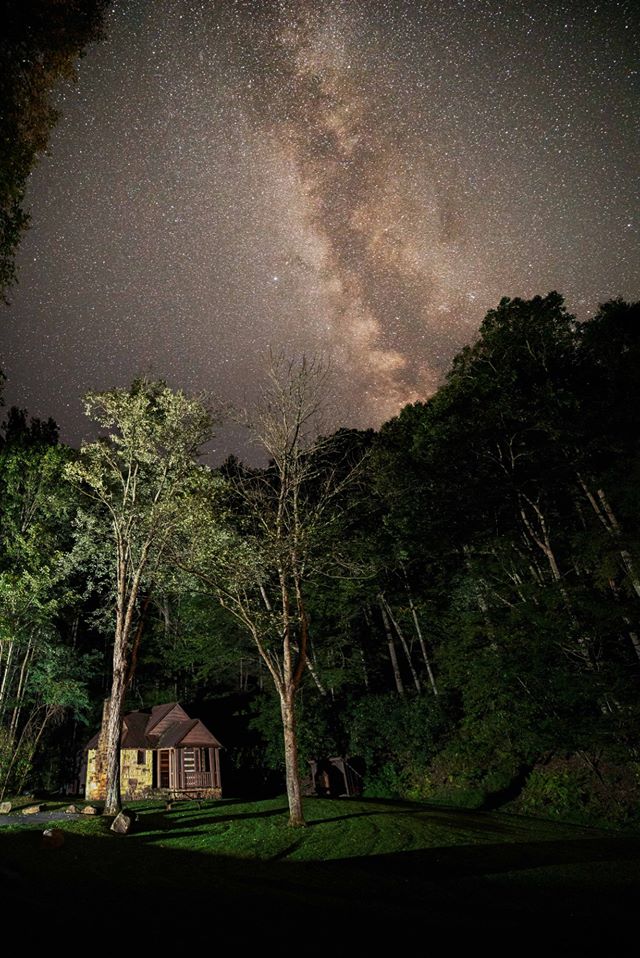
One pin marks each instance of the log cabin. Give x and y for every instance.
(163, 753)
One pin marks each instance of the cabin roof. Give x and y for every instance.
(139, 729)
(158, 712)
(192, 732)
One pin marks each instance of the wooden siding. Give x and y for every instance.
(196, 768)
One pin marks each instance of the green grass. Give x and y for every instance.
(369, 866)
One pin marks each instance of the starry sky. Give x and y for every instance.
(355, 179)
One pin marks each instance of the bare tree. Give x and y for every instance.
(283, 534)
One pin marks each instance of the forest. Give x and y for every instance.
(452, 599)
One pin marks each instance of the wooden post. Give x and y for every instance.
(217, 758)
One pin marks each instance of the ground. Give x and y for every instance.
(362, 872)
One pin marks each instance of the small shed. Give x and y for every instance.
(337, 777)
(163, 752)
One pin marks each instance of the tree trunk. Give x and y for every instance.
(423, 646)
(633, 635)
(403, 641)
(287, 709)
(540, 535)
(392, 649)
(110, 736)
(365, 674)
(20, 693)
(314, 675)
(8, 670)
(604, 512)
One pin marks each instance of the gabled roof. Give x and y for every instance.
(164, 715)
(157, 728)
(158, 712)
(192, 732)
(134, 727)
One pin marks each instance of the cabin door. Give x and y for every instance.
(163, 768)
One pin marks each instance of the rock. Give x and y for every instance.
(32, 809)
(122, 823)
(53, 838)
(89, 810)
(71, 810)
(5, 808)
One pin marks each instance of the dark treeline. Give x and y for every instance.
(474, 639)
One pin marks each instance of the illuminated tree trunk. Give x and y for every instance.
(294, 796)
(111, 734)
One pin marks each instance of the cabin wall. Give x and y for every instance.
(96, 781)
(136, 781)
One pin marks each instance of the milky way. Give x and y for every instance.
(361, 180)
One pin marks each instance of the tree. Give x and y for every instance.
(143, 480)
(513, 494)
(40, 42)
(40, 677)
(282, 534)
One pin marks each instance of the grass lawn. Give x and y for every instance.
(361, 873)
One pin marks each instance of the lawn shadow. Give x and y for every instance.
(463, 861)
(457, 891)
(170, 821)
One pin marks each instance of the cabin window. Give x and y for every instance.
(142, 757)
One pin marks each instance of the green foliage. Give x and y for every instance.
(397, 738)
(497, 522)
(42, 678)
(584, 790)
(143, 483)
(59, 679)
(267, 722)
(512, 499)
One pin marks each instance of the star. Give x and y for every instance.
(408, 163)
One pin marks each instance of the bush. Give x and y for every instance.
(585, 792)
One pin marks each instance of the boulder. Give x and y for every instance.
(72, 810)
(122, 823)
(89, 810)
(5, 808)
(32, 809)
(53, 838)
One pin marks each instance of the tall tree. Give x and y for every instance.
(36, 570)
(282, 534)
(142, 479)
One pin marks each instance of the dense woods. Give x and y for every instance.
(454, 599)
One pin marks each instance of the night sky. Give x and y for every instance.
(358, 179)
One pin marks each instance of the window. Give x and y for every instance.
(142, 757)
